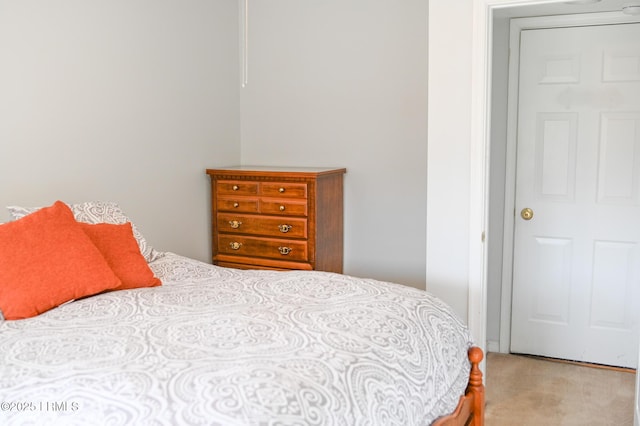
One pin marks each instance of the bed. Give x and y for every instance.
(214, 345)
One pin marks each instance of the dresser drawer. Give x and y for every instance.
(288, 190)
(283, 227)
(237, 187)
(283, 207)
(263, 247)
(238, 204)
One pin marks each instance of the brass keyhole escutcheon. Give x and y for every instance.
(526, 213)
(235, 245)
(235, 224)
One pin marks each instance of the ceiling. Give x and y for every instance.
(562, 8)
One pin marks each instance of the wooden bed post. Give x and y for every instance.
(470, 409)
(476, 387)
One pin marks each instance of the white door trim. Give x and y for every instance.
(479, 169)
(517, 26)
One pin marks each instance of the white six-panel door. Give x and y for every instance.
(576, 276)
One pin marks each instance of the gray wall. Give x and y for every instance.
(131, 101)
(119, 100)
(344, 83)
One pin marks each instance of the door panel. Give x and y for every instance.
(555, 162)
(576, 273)
(550, 293)
(619, 168)
(612, 287)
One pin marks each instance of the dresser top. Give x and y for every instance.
(312, 171)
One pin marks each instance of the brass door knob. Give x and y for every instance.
(526, 213)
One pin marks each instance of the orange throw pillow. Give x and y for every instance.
(46, 259)
(119, 247)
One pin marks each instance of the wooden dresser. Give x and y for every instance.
(277, 218)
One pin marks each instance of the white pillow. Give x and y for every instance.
(97, 212)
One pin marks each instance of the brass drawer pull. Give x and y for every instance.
(284, 250)
(235, 187)
(285, 228)
(235, 245)
(236, 205)
(235, 224)
(281, 190)
(281, 208)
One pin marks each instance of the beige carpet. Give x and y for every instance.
(524, 391)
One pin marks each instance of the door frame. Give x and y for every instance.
(479, 165)
(516, 27)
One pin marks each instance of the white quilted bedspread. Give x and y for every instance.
(217, 346)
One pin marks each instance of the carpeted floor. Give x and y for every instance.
(524, 391)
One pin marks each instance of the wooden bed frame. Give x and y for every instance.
(470, 409)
